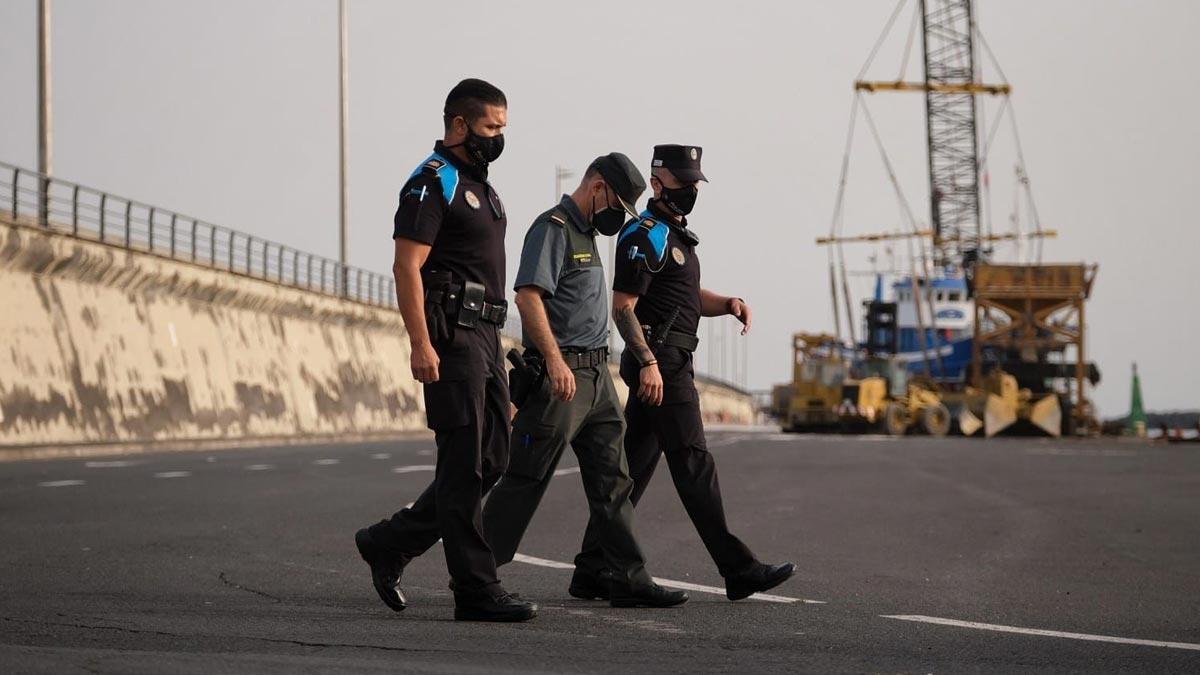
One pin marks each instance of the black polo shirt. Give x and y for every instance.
(656, 260)
(448, 204)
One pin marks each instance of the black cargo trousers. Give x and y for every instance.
(674, 429)
(468, 410)
(592, 424)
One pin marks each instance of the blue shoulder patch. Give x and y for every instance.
(446, 173)
(655, 232)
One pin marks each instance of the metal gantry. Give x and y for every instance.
(950, 119)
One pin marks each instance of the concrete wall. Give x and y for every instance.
(100, 344)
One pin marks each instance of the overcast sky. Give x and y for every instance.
(227, 110)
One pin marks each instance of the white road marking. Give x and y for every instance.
(567, 471)
(425, 453)
(173, 474)
(326, 462)
(414, 468)
(1037, 631)
(382, 455)
(260, 467)
(60, 483)
(669, 583)
(109, 465)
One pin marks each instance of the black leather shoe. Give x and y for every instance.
(385, 572)
(587, 587)
(761, 577)
(645, 596)
(482, 607)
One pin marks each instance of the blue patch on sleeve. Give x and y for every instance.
(655, 235)
(446, 173)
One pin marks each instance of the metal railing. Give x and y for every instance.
(87, 213)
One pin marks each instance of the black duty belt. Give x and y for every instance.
(588, 359)
(674, 338)
(451, 297)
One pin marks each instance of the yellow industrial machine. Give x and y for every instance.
(832, 390)
(1000, 403)
(818, 371)
(920, 408)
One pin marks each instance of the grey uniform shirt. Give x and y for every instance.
(575, 297)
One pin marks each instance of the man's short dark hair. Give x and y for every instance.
(469, 99)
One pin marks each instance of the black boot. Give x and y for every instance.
(759, 578)
(482, 606)
(652, 595)
(588, 587)
(385, 571)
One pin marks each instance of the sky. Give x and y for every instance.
(226, 110)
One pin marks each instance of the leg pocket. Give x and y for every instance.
(534, 451)
(450, 404)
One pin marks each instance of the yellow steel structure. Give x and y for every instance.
(937, 87)
(891, 236)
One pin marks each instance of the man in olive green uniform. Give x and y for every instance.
(565, 391)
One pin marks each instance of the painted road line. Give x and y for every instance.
(1038, 631)
(414, 468)
(173, 474)
(326, 462)
(669, 583)
(567, 471)
(116, 464)
(382, 455)
(260, 467)
(60, 483)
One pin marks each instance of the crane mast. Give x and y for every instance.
(948, 28)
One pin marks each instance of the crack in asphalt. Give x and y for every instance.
(233, 584)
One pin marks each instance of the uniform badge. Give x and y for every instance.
(677, 254)
(472, 200)
(695, 155)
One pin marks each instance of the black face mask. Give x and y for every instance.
(482, 150)
(609, 221)
(680, 201)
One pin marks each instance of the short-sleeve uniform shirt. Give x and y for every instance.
(449, 204)
(656, 260)
(559, 257)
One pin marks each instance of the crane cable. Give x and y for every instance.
(906, 212)
(835, 227)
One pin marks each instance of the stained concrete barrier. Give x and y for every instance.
(107, 345)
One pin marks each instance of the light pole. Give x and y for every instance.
(560, 174)
(343, 115)
(45, 120)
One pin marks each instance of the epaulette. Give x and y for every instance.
(444, 171)
(558, 216)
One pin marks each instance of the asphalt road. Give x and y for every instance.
(243, 561)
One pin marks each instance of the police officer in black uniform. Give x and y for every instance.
(449, 268)
(657, 305)
(571, 399)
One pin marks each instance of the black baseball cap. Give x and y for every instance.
(683, 161)
(623, 177)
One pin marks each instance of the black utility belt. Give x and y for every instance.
(673, 338)
(464, 301)
(587, 359)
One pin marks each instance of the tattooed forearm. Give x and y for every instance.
(631, 330)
